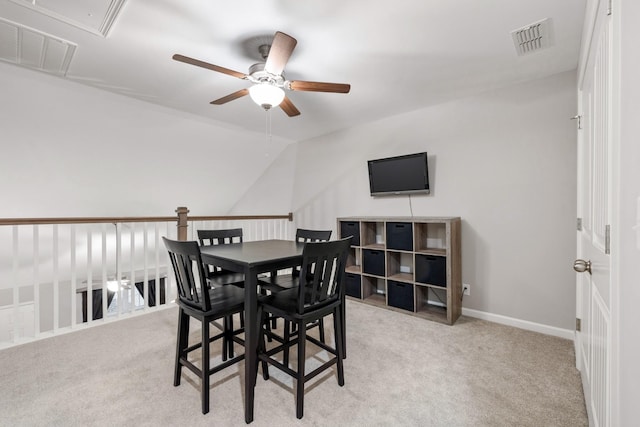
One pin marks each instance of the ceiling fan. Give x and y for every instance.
(268, 77)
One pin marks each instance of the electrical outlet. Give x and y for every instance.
(466, 289)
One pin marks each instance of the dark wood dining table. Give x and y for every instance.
(252, 259)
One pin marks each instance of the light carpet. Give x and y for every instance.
(400, 370)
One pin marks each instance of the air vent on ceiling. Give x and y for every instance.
(34, 49)
(533, 37)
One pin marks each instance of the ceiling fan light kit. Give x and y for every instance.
(266, 95)
(268, 77)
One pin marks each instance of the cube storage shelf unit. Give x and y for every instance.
(408, 264)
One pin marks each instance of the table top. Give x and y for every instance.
(255, 253)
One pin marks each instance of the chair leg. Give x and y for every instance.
(302, 339)
(205, 367)
(229, 332)
(273, 324)
(267, 326)
(287, 337)
(262, 347)
(339, 340)
(225, 337)
(181, 344)
(321, 330)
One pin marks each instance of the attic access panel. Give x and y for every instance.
(33, 49)
(94, 16)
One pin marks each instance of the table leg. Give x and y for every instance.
(250, 340)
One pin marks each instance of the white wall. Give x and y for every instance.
(273, 191)
(504, 161)
(72, 150)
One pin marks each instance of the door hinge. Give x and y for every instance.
(607, 239)
(579, 119)
(579, 224)
(578, 325)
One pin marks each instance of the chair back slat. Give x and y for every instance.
(190, 274)
(326, 261)
(306, 236)
(220, 237)
(303, 235)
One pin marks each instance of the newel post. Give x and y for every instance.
(182, 212)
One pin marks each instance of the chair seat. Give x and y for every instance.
(284, 282)
(278, 283)
(224, 300)
(218, 279)
(285, 303)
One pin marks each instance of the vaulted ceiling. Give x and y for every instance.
(398, 56)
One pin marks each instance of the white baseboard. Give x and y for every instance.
(518, 323)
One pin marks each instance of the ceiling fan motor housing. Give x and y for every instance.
(258, 75)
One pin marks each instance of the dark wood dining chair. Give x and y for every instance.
(199, 301)
(218, 276)
(278, 282)
(317, 296)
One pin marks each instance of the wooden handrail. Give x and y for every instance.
(84, 220)
(240, 217)
(96, 220)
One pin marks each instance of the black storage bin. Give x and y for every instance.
(353, 288)
(350, 228)
(400, 295)
(400, 236)
(373, 262)
(431, 269)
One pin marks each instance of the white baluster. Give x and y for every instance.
(56, 279)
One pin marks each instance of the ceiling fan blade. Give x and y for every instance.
(279, 53)
(230, 97)
(288, 107)
(319, 86)
(208, 66)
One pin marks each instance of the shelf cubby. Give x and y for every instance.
(431, 238)
(353, 260)
(400, 266)
(430, 301)
(373, 290)
(372, 234)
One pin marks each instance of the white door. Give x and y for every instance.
(593, 283)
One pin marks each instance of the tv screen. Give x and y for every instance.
(399, 175)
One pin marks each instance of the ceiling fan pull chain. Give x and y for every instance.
(270, 129)
(267, 126)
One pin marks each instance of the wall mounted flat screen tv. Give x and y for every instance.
(399, 175)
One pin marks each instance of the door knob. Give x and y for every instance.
(581, 266)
